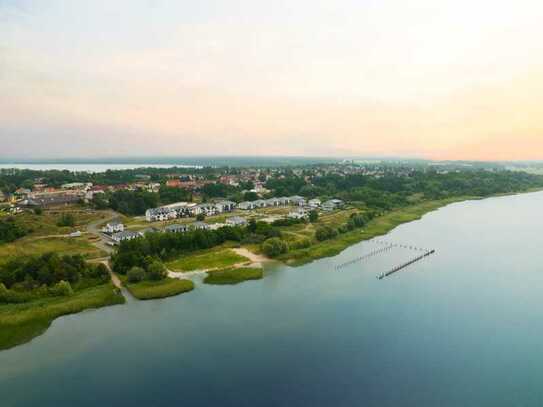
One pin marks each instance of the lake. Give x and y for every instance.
(87, 167)
(463, 327)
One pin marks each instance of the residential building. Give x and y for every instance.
(125, 235)
(199, 225)
(160, 214)
(332, 204)
(177, 228)
(247, 205)
(113, 227)
(314, 203)
(236, 221)
(299, 213)
(225, 206)
(297, 200)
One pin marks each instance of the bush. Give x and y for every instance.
(313, 216)
(62, 288)
(325, 233)
(67, 219)
(156, 271)
(135, 275)
(274, 247)
(200, 217)
(38, 211)
(300, 243)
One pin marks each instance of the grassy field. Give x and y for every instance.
(233, 275)
(46, 223)
(63, 245)
(148, 290)
(19, 323)
(379, 226)
(206, 259)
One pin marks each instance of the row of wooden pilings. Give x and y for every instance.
(404, 265)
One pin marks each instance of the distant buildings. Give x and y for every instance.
(236, 221)
(113, 227)
(125, 235)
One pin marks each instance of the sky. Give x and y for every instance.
(420, 78)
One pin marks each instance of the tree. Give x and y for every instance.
(66, 219)
(200, 217)
(135, 275)
(325, 233)
(38, 211)
(62, 288)
(313, 216)
(157, 271)
(274, 247)
(250, 196)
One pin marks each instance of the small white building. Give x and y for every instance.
(299, 213)
(225, 206)
(113, 227)
(297, 200)
(314, 203)
(236, 221)
(199, 225)
(246, 206)
(160, 214)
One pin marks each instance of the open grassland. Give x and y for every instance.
(378, 226)
(62, 245)
(46, 223)
(19, 323)
(206, 259)
(148, 290)
(233, 275)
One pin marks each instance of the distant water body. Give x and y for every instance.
(82, 167)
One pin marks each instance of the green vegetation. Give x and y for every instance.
(10, 230)
(66, 219)
(233, 275)
(168, 246)
(377, 226)
(206, 259)
(148, 290)
(19, 323)
(37, 246)
(274, 247)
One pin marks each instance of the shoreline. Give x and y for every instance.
(329, 248)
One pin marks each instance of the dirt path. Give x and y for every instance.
(256, 259)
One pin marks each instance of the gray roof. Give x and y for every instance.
(177, 228)
(125, 235)
(238, 220)
(199, 225)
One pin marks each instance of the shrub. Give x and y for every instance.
(62, 288)
(313, 216)
(200, 217)
(135, 275)
(325, 233)
(274, 247)
(156, 271)
(67, 219)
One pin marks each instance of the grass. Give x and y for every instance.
(148, 290)
(207, 259)
(19, 323)
(377, 227)
(46, 223)
(61, 245)
(233, 275)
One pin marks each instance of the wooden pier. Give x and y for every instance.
(404, 265)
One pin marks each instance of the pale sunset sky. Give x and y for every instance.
(420, 78)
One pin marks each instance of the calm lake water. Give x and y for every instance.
(461, 328)
(85, 167)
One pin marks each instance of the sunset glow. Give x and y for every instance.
(424, 78)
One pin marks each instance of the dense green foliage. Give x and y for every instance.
(133, 203)
(10, 230)
(143, 251)
(274, 247)
(233, 275)
(67, 219)
(149, 290)
(31, 274)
